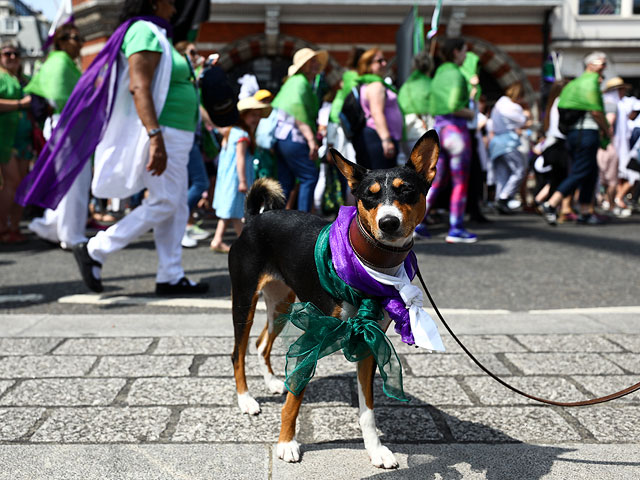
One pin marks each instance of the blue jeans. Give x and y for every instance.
(294, 162)
(369, 152)
(583, 174)
(198, 178)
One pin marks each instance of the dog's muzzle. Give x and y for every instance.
(372, 252)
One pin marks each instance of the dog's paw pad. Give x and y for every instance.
(382, 457)
(289, 451)
(275, 386)
(248, 404)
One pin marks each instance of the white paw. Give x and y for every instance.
(382, 457)
(275, 386)
(289, 451)
(248, 404)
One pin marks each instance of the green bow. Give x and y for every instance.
(358, 337)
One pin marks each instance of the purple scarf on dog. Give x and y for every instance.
(80, 128)
(353, 274)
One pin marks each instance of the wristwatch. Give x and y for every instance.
(153, 132)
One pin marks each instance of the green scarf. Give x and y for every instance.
(348, 82)
(469, 69)
(358, 337)
(449, 92)
(414, 93)
(56, 79)
(296, 97)
(582, 93)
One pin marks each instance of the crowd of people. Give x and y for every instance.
(158, 156)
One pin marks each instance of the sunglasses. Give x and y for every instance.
(379, 60)
(11, 53)
(192, 53)
(73, 36)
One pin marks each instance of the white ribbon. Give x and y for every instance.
(424, 329)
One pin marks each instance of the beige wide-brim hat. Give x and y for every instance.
(303, 55)
(252, 103)
(615, 83)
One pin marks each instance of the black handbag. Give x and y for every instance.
(352, 117)
(568, 117)
(634, 165)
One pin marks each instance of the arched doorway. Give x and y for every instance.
(252, 55)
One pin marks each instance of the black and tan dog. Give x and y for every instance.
(275, 256)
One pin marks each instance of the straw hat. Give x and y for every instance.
(251, 103)
(615, 83)
(303, 55)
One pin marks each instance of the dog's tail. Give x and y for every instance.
(265, 194)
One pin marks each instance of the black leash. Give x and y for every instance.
(583, 403)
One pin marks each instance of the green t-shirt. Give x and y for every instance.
(181, 106)
(10, 89)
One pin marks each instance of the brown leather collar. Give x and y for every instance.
(371, 251)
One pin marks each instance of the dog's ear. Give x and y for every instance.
(424, 156)
(353, 172)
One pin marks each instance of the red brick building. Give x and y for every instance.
(510, 36)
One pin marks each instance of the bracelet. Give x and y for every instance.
(153, 132)
(388, 139)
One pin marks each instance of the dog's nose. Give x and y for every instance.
(389, 224)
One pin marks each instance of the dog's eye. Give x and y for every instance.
(406, 189)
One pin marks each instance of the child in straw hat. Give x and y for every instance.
(235, 169)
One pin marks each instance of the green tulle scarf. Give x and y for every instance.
(358, 338)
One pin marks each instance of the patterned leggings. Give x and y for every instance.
(455, 159)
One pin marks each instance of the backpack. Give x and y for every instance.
(352, 117)
(568, 117)
(266, 131)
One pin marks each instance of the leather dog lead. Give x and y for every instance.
(583, 403)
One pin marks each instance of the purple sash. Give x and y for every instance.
(350, 271)
(80, 128)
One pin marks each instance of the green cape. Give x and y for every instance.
(470, 68)
(296, 97)
(449, 92)
(582, 93)
(55, 79)
(348, 82)
(414, 93)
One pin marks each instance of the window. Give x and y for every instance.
(601, 7)
(9, 26)
(636, 7)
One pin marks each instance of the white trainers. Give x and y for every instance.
(197, 233)
(187, 241)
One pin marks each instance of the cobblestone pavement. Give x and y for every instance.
(172, 390)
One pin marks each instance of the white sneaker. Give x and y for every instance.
(622, 212)
(187, 241)
(197, 233)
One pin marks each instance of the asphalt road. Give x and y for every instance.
(519, 264)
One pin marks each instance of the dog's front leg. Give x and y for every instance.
(288, 448)
(380, 455)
